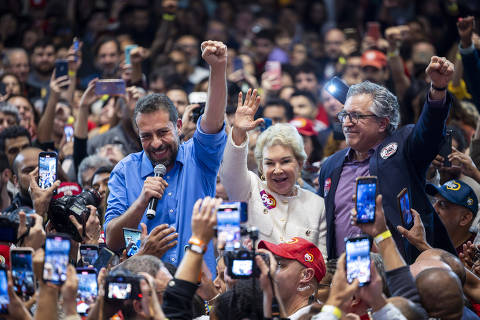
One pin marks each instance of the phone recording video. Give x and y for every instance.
(61, 68)
(358, 259)
(446, 149)
(88, 254)
(113, 87)
(87, 289)
(57, 250)
(22, 272)
(4, 299)
(132, 240)
(366, 194)
(47, 169)
(128, 49)
(404, 207)
(229, 217)
(105, 256)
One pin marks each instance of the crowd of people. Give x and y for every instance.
(201, 159)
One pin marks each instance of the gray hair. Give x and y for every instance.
(385, 104)
(283, 134)
(91, 162)
(6, 57)
(142, 263)
(10, 109)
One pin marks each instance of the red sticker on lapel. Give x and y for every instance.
(268, 200)
(326, 186)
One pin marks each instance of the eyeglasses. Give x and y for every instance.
(352, 116)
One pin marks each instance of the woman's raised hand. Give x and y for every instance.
(244, 116)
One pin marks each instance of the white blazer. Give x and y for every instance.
(278, 218)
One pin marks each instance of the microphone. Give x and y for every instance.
(159, 171)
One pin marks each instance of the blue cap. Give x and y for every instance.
(457, 192)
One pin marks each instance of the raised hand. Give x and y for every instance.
(160, 240)
(244, 115)
(416, 234)
(440, 71)
(465, 30)
(89, 96)
(214, 53)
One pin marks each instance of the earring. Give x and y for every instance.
(262, 177)
(304, 288)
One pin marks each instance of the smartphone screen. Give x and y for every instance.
(404, 205)
(128, 49)
(57, 249)
(228, 227)
(358, 260)
(22, 272)
(110, 87)
(365, 205)
(89, 254)
(4, 299)
(47, 169)
(132, 240)
(105, 256)
(87, 290)
(237, 64)
(119, 290)
(274, 68)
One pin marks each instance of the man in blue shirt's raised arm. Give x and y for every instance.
(191, 167)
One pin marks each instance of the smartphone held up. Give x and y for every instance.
(366, 193)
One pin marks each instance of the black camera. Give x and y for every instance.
(241, 263)
(9, 222)
(121, 285)
(61, 209)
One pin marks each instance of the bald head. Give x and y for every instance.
(25, 162)
(441, 293)
(424, 264)
(410, 310)
(451, 260)
(17, 63)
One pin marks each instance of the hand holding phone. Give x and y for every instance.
(87, 289)
(57, 252)
(133, 240)
(22, 272)
(446, 149)
(404, 208)
(47, 169)
(366, 193)
(357, 250)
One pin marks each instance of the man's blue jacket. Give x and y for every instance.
(416, 146)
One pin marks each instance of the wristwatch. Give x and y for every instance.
(195, 248)
(197, 245)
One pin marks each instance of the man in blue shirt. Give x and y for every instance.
(191, 167)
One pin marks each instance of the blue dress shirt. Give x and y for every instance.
(192, 177)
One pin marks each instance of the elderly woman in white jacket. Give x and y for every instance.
(278, 207)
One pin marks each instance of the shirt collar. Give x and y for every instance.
(147, 167)
(349, 153)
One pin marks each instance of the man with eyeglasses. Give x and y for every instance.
(456, 204)
(398, 157)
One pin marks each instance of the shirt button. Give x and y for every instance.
(171, 210)
(169, 193)
(173, 259)
(308, 232)
(168, 177)
(265, 211)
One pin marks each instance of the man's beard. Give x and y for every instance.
(43, 71)
(168, 161)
